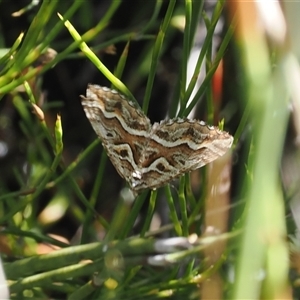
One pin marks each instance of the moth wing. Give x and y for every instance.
(178, 146)
(121, 126)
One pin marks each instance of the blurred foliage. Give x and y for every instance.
(69, 225)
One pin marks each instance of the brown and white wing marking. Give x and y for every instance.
(149, 156)
(194, 141)
(122, 127)
(178, 146)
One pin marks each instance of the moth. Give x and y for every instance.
(146, 155)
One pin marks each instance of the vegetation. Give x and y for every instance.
(71, 228)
